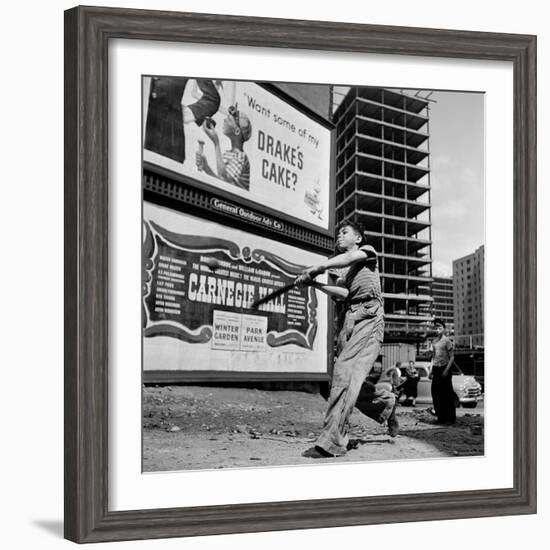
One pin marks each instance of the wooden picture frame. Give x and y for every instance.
(87, 34)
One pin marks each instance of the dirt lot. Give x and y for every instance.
(194, 427)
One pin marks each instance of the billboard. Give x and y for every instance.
(241, 139)
(196, 318)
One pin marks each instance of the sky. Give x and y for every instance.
(457, 176)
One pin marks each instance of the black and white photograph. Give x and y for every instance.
(313, 272)
(274, 275)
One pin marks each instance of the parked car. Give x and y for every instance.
(467, 389)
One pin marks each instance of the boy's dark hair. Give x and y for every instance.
(357, 227)
(438, 321)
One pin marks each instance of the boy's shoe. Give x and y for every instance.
(316, 452)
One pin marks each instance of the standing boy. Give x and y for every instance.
(443, 358)
(359, 339)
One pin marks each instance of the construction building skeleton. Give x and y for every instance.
(383, 182)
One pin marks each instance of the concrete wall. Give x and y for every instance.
(391, 353)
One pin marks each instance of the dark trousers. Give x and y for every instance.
(410, 388)
(443, 395)
(164, 133)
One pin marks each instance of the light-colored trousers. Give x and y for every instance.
(359, 344)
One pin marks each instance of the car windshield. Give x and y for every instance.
(455, 369)
(424, 370)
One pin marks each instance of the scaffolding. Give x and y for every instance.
(383, 182)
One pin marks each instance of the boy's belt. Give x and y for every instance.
(361, 300)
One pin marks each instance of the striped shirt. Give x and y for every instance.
(362, 278)
(237, 168)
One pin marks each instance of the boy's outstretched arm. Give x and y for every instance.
(341, 260)
(334, 291)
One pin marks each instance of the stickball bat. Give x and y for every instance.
(272, 295)
(281, 290)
